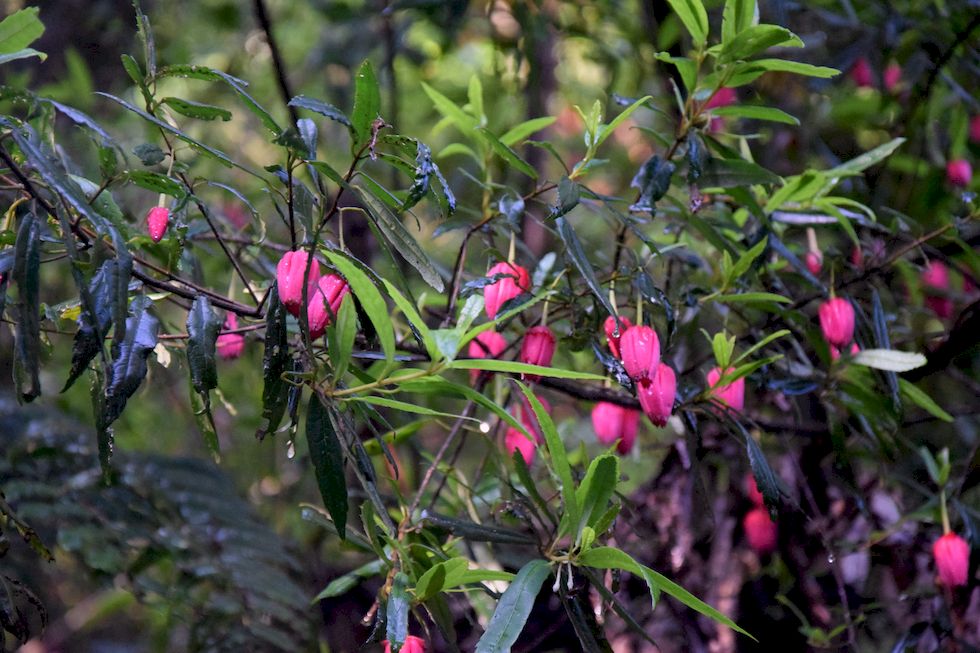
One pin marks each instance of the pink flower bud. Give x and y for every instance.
(837, 321)
(935, 276)
(514, 440)
(959, 172)
(752, 490)
(814, 261)
(537, 348)
(613, 334)
(975, 129)
(861, 73)
(952, 555)
(760, 531)
(893, 76)
(530, 420)
(230, 345)
(324, 303)
(724, 97)
(412, 644)
(289, 279)
(640, 350)
(732, 394)
(656, 394)
(613, 423)
(157, 220)
(507, 288)
(489, 344)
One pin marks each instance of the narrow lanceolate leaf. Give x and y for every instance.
(157, 183)
(275, 362)
(390, 225)
(765, 478)
(323, 108)
(596, 490)
(509, 156)
(469, 530)
(575, 251)
(369, 297)
(513, 367)
(327, 455)
(568, 198)
(923, 401)
(756, 39)
(197, 109)
(866, 160)
(513, 608)
(693, 16)
(397, 610)
(203, 325)
(129, 358)
(27, 264)
(92, 329)
(890, 360)
(756, 113)
(367, 104)
(727, 173)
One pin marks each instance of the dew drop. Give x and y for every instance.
(484, 427)
(831, 559)
(290, 450)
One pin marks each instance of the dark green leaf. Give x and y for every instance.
(765, 478)
(596, 489)
(146, 38)
(327, 455)
(26, 274)
(149, 154)
(203, 325)
(397, 610)
(514, 608)
(424, 169)
(157, 183)
(568, 198)
(367, 104)
(129, 357)
(756, 113)
(275, 362)
(725, 173)
(653, 182)
(697, 155)
(92, 329)
(508, 155)
(478, 532)
(574, 251)
(197, 109)
(324, 109)
(83, 119)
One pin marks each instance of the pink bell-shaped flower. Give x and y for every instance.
(157, 220)
(814, 261)
(640, 350)
(725, 96)
(324, 303)
(893, 77)
(507, 288)
(615, 423)
(732, 394)
(760, 531)
(935, 276)
(861, 74)
(537, 348)
(656, 394)
(489, 344)
(613, 334)
(412, 644)
(959, 172)
(837, 321)
(230, 345)
(952, 555)
(289, 279)
(752, 491)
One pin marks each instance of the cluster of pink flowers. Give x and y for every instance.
(863, 76)
(324, 294)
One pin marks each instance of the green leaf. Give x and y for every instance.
(737, 16)
(322, 108)
(653, 182)
(762, 343)
(605, 131)
(413, 317)
(203, 325)
(765, 478)
(756, 113)
(26, 274)
(521, 131)
(469, 530)
(437, 577)
(514, 608)
(129, 357)
(755, 39)
(866, 160)
(508, 155)
(343, 584)
(157, 183)
(463, 121)
(236, 84)
(747, 72)
(397, 610)
(727, 173)
(559, 460)
(275, 362)
(474, 93)
(746, 260)
(19, 30)
(568, 198)
(575, 252)
(686, 68)
(923, 401)
(596, 490)
(92, 329)
(514, 367)
(694, 17)
(890, 360)
(368, 296)
(751, 297)
(22, 54)
(197, 109)
(367, 104)
(407, 407)
(327, 456)
(394, 231)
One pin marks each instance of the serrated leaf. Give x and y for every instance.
(890, 360)
(568, 198)
(197, 109)
(514, 608)
(327, 455)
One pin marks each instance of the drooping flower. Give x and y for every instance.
(952, 555)
(615, 423)
(613, 334)
(537, 348)
(760, 531)
(412, 644)
(861, 74)
(814, 261)
(935, 277)
(893, 76)
(230, 345)
(157, 220)
(725, 96)
(732, 394)
(515, 440)
(959, 172)
(489, 344)
(656, 394)
(837, 321)
(752, 490)
(325, 301)
(289, 279)
(506, 288)
(640, 350)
